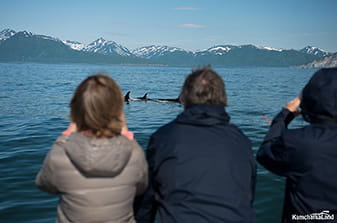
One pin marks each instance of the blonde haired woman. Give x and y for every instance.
(95, 166)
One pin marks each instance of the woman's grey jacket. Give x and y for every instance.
(97, 179)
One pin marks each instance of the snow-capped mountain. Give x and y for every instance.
(107, 47)
(28, 47)
(100, 46)
(270, 48)
(315, 51)
(74, 44)
(221, 50)
(154, 51)
(6, 33)
(219, 55)
(47, 37)
(216, 50)
(26, 34)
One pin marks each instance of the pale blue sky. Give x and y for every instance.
(189, 24)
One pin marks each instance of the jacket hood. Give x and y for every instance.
(204, 114)
(104, 157)
(319, 97)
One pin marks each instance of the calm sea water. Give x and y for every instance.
(34, 102)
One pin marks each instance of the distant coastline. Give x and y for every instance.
(28, 47)
(326, 62)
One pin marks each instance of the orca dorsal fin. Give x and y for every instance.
(127, 96)
(145, 96)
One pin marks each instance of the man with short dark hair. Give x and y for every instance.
(201, 167)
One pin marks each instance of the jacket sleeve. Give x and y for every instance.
(143, 182)
(277, 152)
(45, 179)
(145, 206)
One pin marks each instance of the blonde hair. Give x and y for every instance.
(97, 105)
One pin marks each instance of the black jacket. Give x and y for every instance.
(307, 156)
(201, 170)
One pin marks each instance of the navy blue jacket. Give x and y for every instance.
(307, 156)
(201, 170)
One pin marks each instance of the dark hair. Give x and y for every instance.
(97, 105)
(203, 86)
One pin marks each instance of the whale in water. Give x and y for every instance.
(176, 100)
(128, 98)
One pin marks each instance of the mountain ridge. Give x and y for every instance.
(325, 62)
(219, 55)
(27, 47)
(315, 51)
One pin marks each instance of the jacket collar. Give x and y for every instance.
(204, 114)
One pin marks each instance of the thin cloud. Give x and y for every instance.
(193, 26)
(186, 8)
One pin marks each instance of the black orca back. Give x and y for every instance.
(127, 96)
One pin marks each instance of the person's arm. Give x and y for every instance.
(143, 170)
(275, 153)
(45, 179)
(145, 206)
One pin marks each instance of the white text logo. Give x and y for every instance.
(324, 215)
